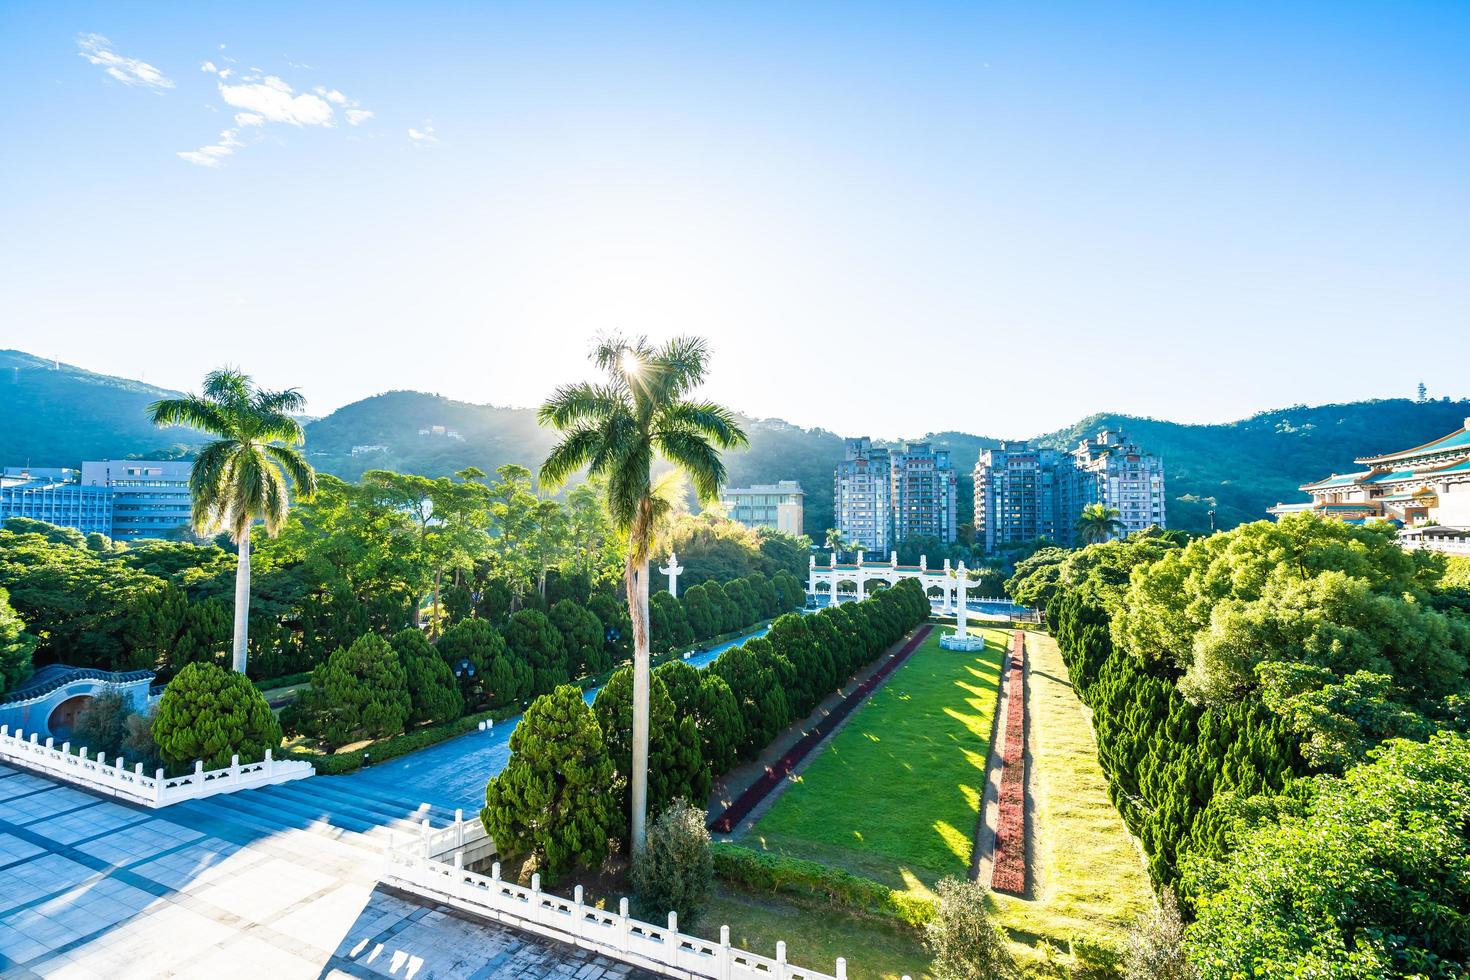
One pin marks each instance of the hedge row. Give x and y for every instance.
(761, 871)
(709, 610)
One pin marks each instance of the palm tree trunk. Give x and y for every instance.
(635, 575)
(434, 626)
(242, 601)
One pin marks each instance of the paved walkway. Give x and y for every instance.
(248, 885)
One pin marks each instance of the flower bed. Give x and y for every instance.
(782, 767)
(1009, 869)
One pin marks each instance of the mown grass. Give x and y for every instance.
(896, 795)
(1088, 877)
(815, 935)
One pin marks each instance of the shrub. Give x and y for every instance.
(360, 692)
(1095, 958)
(757, 691)
(966, 943)
(433, 691)
(530, 636)
(699, 613)
(763, 871)
(554, 798)
(102, 724)
(1155, 949)
(704, 696)
(479, 643)
(675, 764)
(208, 713)
(16, 646)
(138, 744)
(674, 870)
(581, 636)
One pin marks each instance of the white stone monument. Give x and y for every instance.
(673, 570)
(961, 639)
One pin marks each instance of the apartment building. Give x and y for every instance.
(778, 506)
(862, 496)
(922, 493)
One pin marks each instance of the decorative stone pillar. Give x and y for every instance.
(673, 570)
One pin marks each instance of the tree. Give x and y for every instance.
(616, 429)
(242, 475)
(668, 629)
(698, 612)
(432, 690)
(530, 636)
(966, 943)
(102, 724)
(676, 868)
(1099, 523)
(836, 542)
(16, 646)
(209, 714)
(1155, 948)
(757, 692)
(581, 637)
(554, 799)
(675, 761)
(1366, 880)
(704, 696)
(360, 692)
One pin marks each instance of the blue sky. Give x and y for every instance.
(887, 218)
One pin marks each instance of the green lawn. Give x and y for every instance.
(896, 795)
(815, 935)
(1088, 876)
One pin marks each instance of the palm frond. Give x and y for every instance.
(193, 411)
(696, 457)
(571, 404)
(706, 419)
(295, 466)
(578, 449)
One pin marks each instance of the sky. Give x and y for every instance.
(886, 218)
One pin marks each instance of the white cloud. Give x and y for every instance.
(209, 67)
(212, 155)
(425, 135)
(359, 116)
(271, 99)
(249, 119)
(130, 71)
(331, 95)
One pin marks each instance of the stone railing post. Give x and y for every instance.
(841, 968)
(158, 785)
(459, 828)
(782, 973)
(234, 770)
(198, 778)
(724, 963)
(270, 764)
(459, 860)
(625, 931)
(673, 925)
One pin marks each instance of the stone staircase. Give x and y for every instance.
(359, 816)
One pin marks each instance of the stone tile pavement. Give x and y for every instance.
(93, 888)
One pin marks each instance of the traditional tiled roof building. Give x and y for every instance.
(1425, 489)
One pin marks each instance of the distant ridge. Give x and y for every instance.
(58, 415)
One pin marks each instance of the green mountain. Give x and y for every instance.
(54, 414)
(57, 415)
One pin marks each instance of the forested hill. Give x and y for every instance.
(58, 415)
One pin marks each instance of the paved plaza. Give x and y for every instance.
(277, 883)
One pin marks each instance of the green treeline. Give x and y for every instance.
(1238, 682)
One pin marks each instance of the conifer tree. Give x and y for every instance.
(208, 713)
(360, 692)
(432, 690)
(676, 766)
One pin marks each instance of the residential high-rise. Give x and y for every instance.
(1115, 472)
(923, 493)
(150, 497)
(1021, 494)
(774, 505)
(862, 496)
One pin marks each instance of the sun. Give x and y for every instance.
(632, 365)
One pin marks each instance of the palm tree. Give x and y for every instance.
(240, 477)
(1099, 523)
(616, 429)
(836, 543)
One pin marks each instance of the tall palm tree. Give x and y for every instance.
(836, 543)
(642, 410)
(1099, 523)
(240, 477)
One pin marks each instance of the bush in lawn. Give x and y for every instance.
(102, 724)
(554, 798)
(209, 713)
(530, 636)
(1155, 948)
(360, 692)
(965, 942)
(705, 697)
(667, 627)
(757, 691)
(675, 763)
(674, 870)
(1095, 958)
(699, 612)
(581, 637)
(432, 689)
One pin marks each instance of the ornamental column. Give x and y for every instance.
(673, 571)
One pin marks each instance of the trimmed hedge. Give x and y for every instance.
(761, 871)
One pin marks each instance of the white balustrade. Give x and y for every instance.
(659, 949)
(156, 790)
